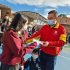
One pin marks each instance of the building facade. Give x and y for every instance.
(3, 10)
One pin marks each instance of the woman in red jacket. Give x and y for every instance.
(13, 44)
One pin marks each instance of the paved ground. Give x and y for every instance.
(63, 61)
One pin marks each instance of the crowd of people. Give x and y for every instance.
(15, 39)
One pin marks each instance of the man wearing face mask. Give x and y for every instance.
(33, 63)
(53, 37)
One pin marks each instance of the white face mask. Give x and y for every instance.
(34, 56)
(51, 22)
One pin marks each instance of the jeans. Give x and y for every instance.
(47, 61)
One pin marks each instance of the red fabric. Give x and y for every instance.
(13, 49)
(26, 34)
(52, 36)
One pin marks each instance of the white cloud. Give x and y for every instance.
(12, 11)
(40, 3)
(53, 3)
(68, 15)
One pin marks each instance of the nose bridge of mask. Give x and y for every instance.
(50, 22)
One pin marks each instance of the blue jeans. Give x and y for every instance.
(47, 61)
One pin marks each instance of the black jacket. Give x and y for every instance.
(32, 65)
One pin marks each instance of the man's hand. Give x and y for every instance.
(45, 43)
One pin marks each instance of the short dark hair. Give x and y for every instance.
(18, 21)
(36, 50)
(53, 11)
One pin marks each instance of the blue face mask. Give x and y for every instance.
(50, 22)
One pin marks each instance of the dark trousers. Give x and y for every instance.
(10, 67)
(47, 61)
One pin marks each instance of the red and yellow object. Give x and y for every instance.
(56, 36)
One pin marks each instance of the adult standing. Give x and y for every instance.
(53, 37)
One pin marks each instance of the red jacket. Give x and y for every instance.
(13, 49)
(56, 36)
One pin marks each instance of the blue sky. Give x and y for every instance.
(40, 6)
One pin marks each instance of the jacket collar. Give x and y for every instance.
(57, 25)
